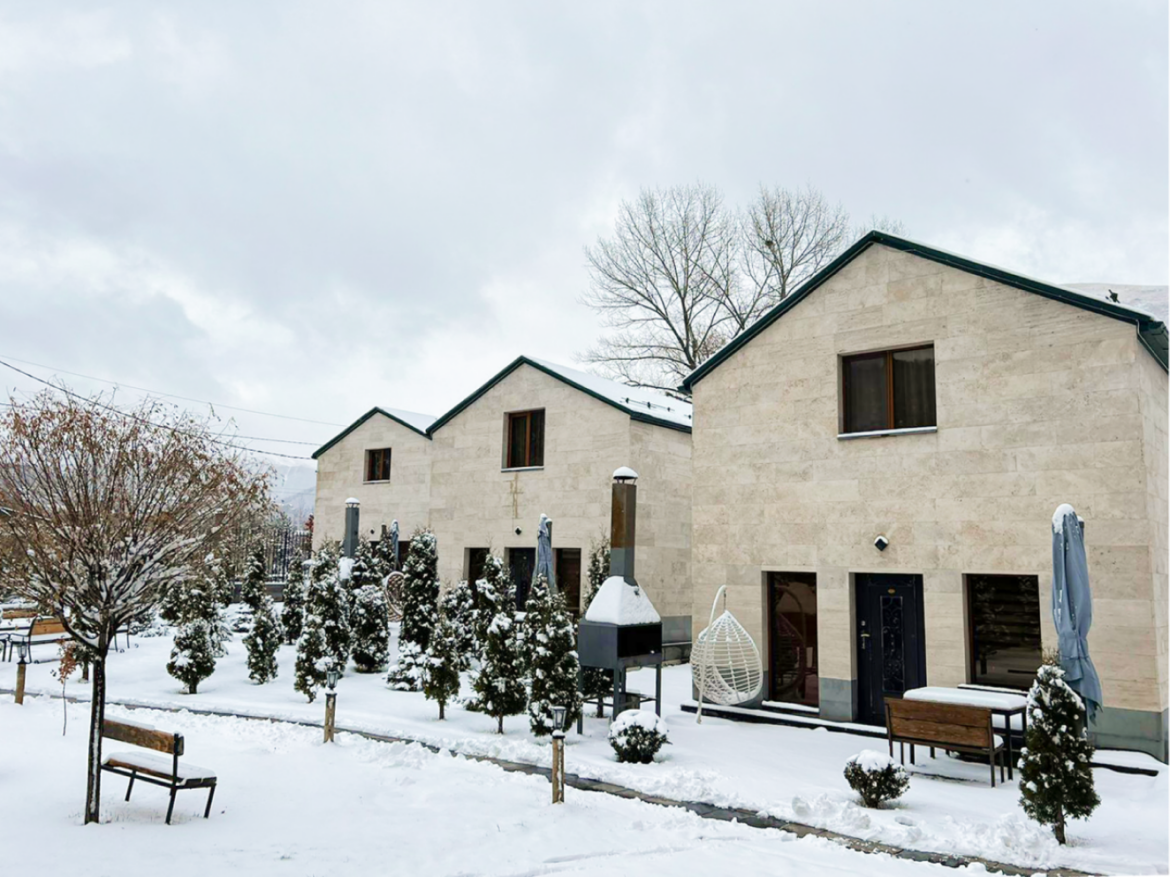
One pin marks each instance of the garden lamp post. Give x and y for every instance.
(21, 669)
(558, 755)
(331, 676)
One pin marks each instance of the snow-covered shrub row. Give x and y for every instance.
(637, 735)
(875, 777)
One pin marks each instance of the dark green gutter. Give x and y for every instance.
(1151, 333)
(524, 360)
(317, 453)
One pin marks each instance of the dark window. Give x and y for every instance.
(793, 641)
(521, 564)
(525, 439)
(476, 559)
(1004, 617)
(378, 465)
(893, 389)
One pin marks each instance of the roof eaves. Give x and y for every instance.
(325, 447)
(524, 360)
(1151, 332)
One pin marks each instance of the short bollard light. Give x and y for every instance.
(21, 669)
(558, 755)
(332, 674)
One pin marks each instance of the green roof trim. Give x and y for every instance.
(317, 453)
(1151, 333)
(524, 360)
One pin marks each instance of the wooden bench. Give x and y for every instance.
(40, 631)
(156, 769)
(943, 725)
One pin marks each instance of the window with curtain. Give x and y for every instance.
(525, 439)
(890, 389)
(378, 465)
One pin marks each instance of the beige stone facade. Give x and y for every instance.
(455, 481)
(1038, 403)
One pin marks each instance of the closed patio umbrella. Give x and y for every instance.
(394, 543)
(544, 553)
(1072, 606)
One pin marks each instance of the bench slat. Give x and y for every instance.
(961, 735)
(135, 734)
(158, 765)
(931, 711)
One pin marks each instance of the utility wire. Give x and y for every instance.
(119, 411)
(172, 395)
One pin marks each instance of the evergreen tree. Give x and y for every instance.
(292, 613)
(370, 625)
(444, 661)
(494, 593)
(325, 631)
(1056, 782)
(384, 554)
(420, 598)
(595, 682)
(549, 648)
(499, 684)
(458, 606)
(263, 642)
(255, 586)
(193, 655)
(365, 567)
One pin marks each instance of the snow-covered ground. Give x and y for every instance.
(787, 772)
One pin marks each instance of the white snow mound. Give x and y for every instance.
(619, 603)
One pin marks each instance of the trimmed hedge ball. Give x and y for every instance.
(876, 777)
(637, 735)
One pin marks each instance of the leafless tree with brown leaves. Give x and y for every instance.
(682, 275)
(103, 509)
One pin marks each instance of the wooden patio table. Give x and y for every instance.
(1000, 704)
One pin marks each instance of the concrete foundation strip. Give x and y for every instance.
(706, 811)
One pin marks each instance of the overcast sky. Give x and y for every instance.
(314, 208)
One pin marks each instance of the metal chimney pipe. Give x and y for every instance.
(623, 521)
(350, 543)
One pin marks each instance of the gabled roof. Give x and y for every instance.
(411, 420)
(646, 406)
(1151, 333)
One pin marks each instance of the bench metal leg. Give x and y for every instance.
(911, 753)
(991, 764)
(902, 752)
(932, 752)
(207, 809)
(133, 776)
(171, 807)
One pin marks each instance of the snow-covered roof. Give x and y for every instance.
(619, 603)
(637, 400)
(1153, 301)
(420, 423)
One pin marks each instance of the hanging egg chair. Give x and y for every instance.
(725, 663)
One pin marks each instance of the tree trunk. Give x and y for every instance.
(441, 716)
(1058, 827)
(500, 727)
(97, 712)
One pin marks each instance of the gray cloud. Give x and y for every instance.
(314, 208)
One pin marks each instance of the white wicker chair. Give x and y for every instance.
(725, 663)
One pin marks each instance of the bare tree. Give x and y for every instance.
(103, 510)
(659, 282)
(681, 275)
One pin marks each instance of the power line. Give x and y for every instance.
(119, 411)
(173, 395)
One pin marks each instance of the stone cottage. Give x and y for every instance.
(537, 438)
(875, 467)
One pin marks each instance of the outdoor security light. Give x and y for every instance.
(331, 676)
(517, 531)
(559, 717)
(881, 543)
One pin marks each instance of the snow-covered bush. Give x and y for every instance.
(1056, 782)
(263, 642)
(193, 655)
(550, 654)
(325, 633)
(292, 613)
(495, 593)
(499, 685)
(444, 661)
(458, 606)
(255, 585)
(875, 777)
(420, 599)
(637, 735)
(370, 626)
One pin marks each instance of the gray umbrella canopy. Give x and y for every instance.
(394, 542)
(544, 553)
(1072, 605)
